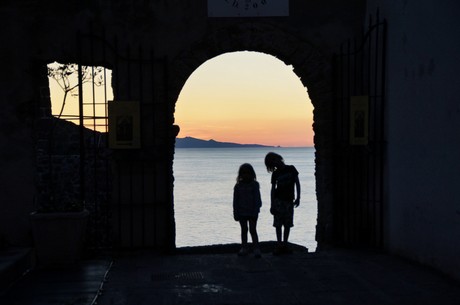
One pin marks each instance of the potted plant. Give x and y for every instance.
(59, 232)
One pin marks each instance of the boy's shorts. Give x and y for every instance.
(283, 213)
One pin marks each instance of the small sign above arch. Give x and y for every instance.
(248, 8)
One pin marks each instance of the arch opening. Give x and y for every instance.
(246, 98)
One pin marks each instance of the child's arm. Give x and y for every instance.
(297, 186)
(257, 197)
(235, 203)
(272, 199)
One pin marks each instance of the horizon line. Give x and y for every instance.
(268, 145)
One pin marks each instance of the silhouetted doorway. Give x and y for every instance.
(245, 98)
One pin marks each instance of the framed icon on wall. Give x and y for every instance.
(359, 120)
(124, 125)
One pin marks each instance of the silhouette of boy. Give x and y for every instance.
(284, 179)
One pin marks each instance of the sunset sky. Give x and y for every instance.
(246, 97)
(242, 97)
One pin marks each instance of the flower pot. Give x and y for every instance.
(59, 237)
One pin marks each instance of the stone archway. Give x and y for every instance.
(314, 70)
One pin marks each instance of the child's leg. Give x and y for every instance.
(255, 237)
(244, 238)
(288, 221)
(285, 247)
(279, 246)
(244, 232)
(278, 234)
(253, 231)
(287, 230)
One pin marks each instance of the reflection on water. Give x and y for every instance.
(203, 190)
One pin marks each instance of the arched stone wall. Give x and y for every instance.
(182, 37)
(312, 67)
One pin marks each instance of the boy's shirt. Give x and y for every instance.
(284, 181)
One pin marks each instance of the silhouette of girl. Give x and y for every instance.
(246, 207)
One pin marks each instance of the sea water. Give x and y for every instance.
(203, 195)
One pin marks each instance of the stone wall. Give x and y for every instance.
(422, 127)
(175, 38)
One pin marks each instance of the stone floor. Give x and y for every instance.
(67, 285)
(324, 278)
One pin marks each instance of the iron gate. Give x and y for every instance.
(359, 71)
(119, 187)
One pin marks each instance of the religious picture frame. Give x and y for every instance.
(124, 125)
(359, 120)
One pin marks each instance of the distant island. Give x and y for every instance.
(189, 142)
